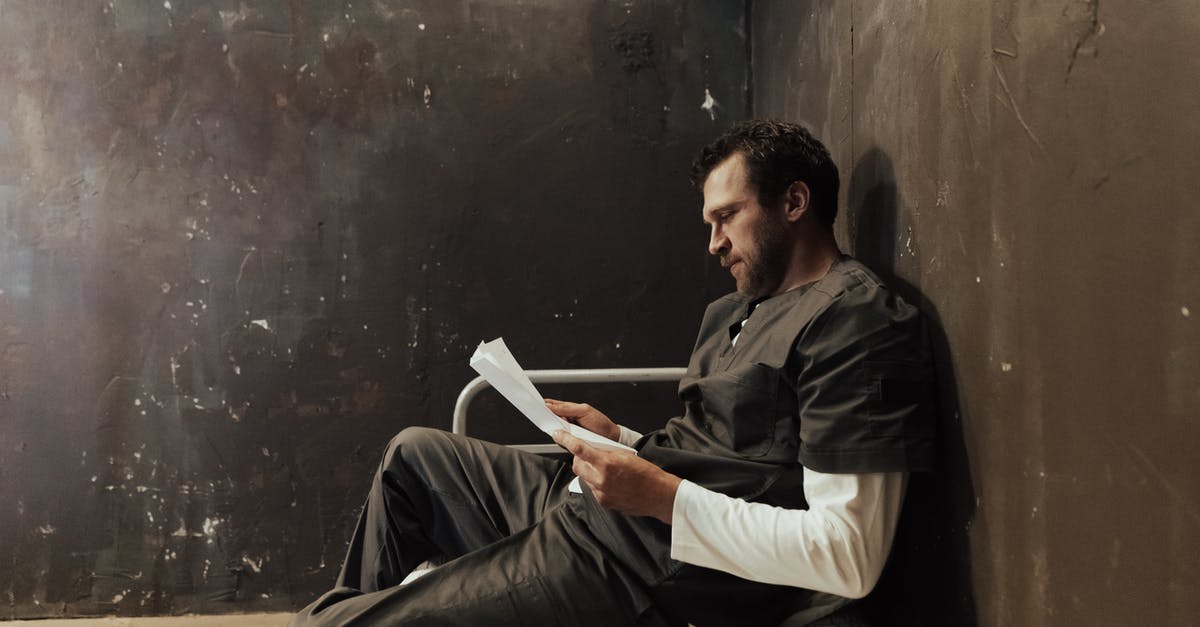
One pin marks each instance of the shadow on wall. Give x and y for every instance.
(930, 578)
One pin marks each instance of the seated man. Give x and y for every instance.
(773, 498)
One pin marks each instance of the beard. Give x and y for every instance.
(765, 262)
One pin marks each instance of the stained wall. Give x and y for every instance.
(1025, 172)
(243, 243)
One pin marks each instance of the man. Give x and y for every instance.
(773, 498)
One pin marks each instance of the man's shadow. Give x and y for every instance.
(931, 555)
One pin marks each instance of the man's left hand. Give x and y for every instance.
(621, 480)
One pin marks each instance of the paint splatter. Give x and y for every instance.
(1187, 313)
(255, 566)
(1006, 367)
(709, 105)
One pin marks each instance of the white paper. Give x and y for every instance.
(493, 361)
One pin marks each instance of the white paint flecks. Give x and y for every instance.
(943, 194)
(167, 4)
(261, 323)
(709, 105)
(255, 566)
(46, 530)
(428, 96)
(1005, 367)
(978, 280)
(1187, 313)
(420, 27)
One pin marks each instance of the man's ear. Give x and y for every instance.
(796, 201)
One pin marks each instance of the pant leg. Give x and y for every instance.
(553, 573)
(438, 496)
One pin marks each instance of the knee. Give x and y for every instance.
(412, 444)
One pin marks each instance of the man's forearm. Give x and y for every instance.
(839, 545)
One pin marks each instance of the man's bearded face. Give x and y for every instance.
(751, 240)
(763, 258)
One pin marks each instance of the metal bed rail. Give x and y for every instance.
(581, 375)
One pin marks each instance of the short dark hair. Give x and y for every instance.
(777, 154)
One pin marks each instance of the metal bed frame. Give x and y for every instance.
(582, 375)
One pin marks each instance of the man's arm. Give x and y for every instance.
(838, 545)
(593, 420)
(621, 480)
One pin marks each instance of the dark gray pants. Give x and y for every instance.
(515, 548)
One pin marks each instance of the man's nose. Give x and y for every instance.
(718, 243)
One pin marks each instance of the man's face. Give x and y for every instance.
(750, 239)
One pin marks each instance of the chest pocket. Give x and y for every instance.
(742, 407)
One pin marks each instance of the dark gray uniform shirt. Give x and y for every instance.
(835, 376)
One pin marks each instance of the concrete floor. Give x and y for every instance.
(240, 620)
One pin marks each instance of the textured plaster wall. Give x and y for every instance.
(243, 243)
(1026, 171)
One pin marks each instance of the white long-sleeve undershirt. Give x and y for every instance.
(838, 545)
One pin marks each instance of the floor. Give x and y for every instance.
(240, 620)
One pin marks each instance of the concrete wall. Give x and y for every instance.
(1026, 170)
(243, 243)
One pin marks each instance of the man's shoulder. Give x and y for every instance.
(849, 275)
(859, 302)
(852, 285)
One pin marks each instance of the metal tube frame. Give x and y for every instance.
(582, 375)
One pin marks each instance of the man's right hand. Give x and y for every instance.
(587, 417)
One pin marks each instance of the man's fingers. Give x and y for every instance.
(581, 465)
(567, 410)
(578, 448)
(573, 444)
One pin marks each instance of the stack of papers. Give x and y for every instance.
(493, 361)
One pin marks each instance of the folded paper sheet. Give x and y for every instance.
(493, 361)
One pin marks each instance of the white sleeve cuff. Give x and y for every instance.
(628, 436)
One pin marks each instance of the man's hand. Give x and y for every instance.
(621, 480)
(587, 417)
